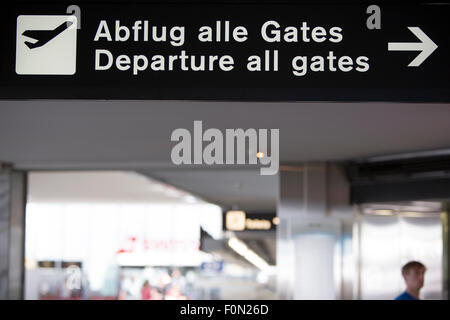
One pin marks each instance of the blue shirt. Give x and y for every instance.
(405, 296)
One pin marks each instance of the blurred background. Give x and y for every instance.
(91, 206)
(121, 235)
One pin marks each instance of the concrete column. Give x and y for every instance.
(12, 232)
(313, 208)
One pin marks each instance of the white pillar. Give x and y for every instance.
(312, 205)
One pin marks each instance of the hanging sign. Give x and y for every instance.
(248, 51)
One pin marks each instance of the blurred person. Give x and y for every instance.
(146, 291)
(44, 289)
(164, 282)
(131, 288)
(179, 281)
(174, 293)
(155, 294)
(121, 292)
(413, 273)
(85, 287)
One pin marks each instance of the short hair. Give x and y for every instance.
(410, 265)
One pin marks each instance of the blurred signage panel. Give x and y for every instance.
(225, 51)
(237, 220)
(163, 252)
(68, 264)
(212, 267)
(47, 264)
(136, 234)
(59, 264)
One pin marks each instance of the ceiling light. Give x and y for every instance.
(413, 214)
(242, 249)
(383, 212)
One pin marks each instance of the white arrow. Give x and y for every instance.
(426, 45)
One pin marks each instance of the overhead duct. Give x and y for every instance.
(403, 179)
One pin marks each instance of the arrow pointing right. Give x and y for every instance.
(427, 46)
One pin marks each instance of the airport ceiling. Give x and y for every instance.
(102, 187)
(135, 135)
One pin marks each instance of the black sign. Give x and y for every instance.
(233, 51)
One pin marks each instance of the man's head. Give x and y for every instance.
(413, 272)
